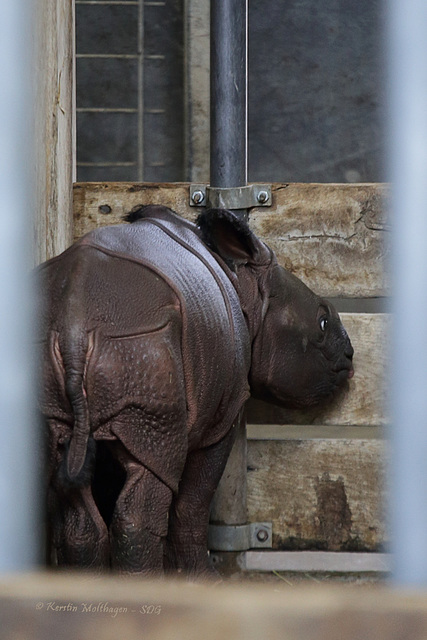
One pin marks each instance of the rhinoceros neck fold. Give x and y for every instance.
(253, 295)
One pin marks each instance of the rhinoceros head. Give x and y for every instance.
(301, 352)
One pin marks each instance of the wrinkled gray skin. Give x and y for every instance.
(153, 336)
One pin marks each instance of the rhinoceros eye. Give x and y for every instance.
(323, 323)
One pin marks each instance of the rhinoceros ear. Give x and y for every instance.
(230, 237)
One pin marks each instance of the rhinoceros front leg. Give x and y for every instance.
(140, 519)
(186, 549)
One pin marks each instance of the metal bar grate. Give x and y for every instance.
(129, 90)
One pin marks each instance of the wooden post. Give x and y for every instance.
(229, 504)
(54, 127)
(196, 78)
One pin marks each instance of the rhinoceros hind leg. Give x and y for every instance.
(186, 550)
(140, 519)
(80, 533)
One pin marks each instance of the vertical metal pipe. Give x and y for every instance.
(141, 70)
(228, 168)
(228, 155)
(19, 530)
(407, 54)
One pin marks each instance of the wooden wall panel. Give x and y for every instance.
(97, 204)
(323, 494)
(307, 222)
(332, 236)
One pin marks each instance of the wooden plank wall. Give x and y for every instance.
(347, 223)
(54, 127)
(317, 475)
(319, 493)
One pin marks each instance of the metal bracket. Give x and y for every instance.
(254, 195)
(241, 537)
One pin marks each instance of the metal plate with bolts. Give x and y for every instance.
(254, 535)
(253, 195)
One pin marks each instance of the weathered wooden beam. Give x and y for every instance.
(54, 127)
(325, 494)
(346, 222)
(97, 204)
(332, 236)
(363, 401)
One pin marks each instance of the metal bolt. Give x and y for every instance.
(104, 208)
(262, 197)
(198, 197)
(262, 535)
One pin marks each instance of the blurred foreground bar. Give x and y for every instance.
(407, 50)
(83, 607)
(19, 534)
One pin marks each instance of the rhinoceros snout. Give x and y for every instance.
(348, 351)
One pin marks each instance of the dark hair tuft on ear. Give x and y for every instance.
(207, 221)
(141, 211)
(136, 213)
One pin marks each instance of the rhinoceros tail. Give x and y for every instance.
(77, 466)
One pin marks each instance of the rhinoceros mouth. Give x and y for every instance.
(344, 365)
(344, 373)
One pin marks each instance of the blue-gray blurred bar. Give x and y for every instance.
(19, 455)
(407, 128)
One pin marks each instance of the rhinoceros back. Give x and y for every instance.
(215, 340)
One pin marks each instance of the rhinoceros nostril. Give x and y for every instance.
(348, 351)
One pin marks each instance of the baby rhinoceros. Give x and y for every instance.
(153, 336)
